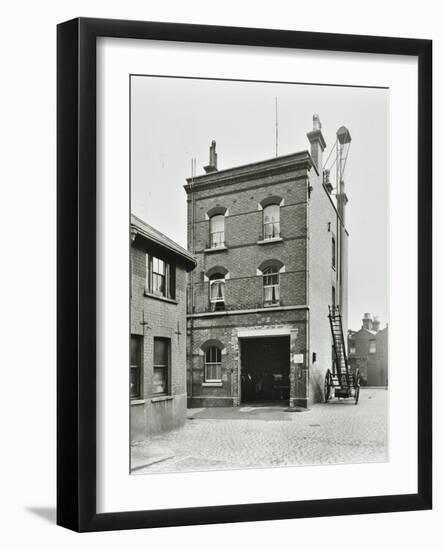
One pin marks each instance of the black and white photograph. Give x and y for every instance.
(259, 318)
(221, 267)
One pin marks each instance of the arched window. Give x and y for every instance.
(271, 286)
(271, 221)
(213, 364)
(217, 291)
(217, 231)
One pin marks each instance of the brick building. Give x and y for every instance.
(158, 331)
(271, 249)
(368, 351)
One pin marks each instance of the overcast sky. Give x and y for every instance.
(174, 120)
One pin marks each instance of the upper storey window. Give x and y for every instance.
(270, 271)
(271, 221)
(217, 231)
(160, 278)
(217, 291)
(271, 286)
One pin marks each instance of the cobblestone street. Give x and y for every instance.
(248, 437)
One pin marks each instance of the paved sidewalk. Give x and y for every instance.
(257, 437)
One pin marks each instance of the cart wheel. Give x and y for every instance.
(328, 384)
(356, 385)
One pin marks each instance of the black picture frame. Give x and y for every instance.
(76, 294)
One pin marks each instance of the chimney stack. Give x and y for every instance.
(318, 143)
(212, 166)
(375, 323)
(367, 321)
(343, 142)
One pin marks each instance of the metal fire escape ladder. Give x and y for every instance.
(341, 360)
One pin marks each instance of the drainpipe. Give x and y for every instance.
(191, 286)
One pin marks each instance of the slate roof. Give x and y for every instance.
(152, 234)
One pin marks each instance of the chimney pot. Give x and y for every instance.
(367, 321)
(212, 166)
(375, 323)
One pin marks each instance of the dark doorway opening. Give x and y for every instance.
(265, 370)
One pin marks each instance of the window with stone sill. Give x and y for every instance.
(271, 222)
(217, 292)
(213, 364)
(135, 370)
(160, 277)
(271, 286)
(217, 231)
(161, 374)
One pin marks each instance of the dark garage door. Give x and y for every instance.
(265, 370)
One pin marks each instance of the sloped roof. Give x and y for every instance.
(365, 330)
(152, 234)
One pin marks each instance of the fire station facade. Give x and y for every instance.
(271, 250)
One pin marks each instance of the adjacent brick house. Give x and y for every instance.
(368, 351)
(271, 250)
(158, 331)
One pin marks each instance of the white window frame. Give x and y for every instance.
(165, 368)
(212, 364)
(217, 300)
(273, 223)
(221, 244)
(276, 273)
(138, 367)
(150, 276)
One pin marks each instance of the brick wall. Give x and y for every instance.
(306, 280)
(247, 292)
(225, 329)
(244, 218)
(243, 231)
(164, 319)
(323, 226)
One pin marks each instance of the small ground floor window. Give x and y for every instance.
(135, 381)
(213, 364)
(160, 383)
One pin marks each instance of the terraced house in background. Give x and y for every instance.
(368, 351)
(271, 248)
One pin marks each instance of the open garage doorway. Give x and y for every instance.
(265, 370)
